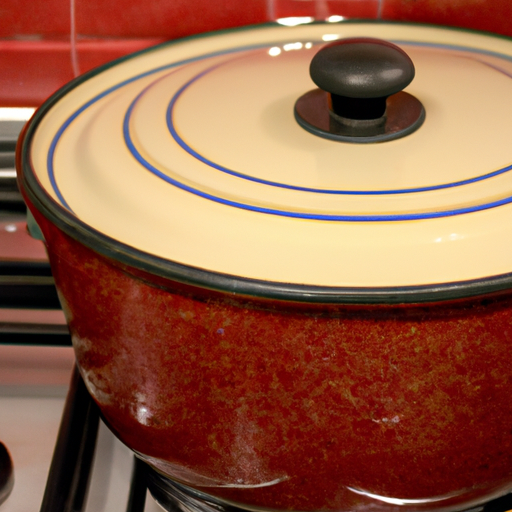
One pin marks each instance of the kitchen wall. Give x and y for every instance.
(44, 44)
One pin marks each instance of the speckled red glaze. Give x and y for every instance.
(408, 402)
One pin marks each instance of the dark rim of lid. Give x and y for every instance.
(220, 282)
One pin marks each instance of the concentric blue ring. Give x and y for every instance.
(184, 145)
(304, 215)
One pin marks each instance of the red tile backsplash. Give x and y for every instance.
(35, 53)
(164, 19)
(126, 18)
(489, 15)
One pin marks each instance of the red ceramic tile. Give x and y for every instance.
(493, 16)
(28, 17)
(126, 18)
(47, 65)
(96, 52)
(355, 8)
(322, 9)
(161, 18)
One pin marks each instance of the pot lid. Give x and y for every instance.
(191, 153)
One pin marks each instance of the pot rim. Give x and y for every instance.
(223, 282)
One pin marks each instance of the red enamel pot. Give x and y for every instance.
(278, 302)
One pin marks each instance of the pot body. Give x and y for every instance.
(294, 406)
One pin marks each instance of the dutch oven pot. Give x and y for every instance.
(278, 302)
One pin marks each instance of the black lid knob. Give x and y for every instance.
(362, 67)
(360, 73)
(360, 97)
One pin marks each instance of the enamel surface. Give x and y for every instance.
(295, 407)
(190, 152)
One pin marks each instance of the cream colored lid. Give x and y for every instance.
(190, 152)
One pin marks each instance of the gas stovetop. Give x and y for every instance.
(36, 364)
